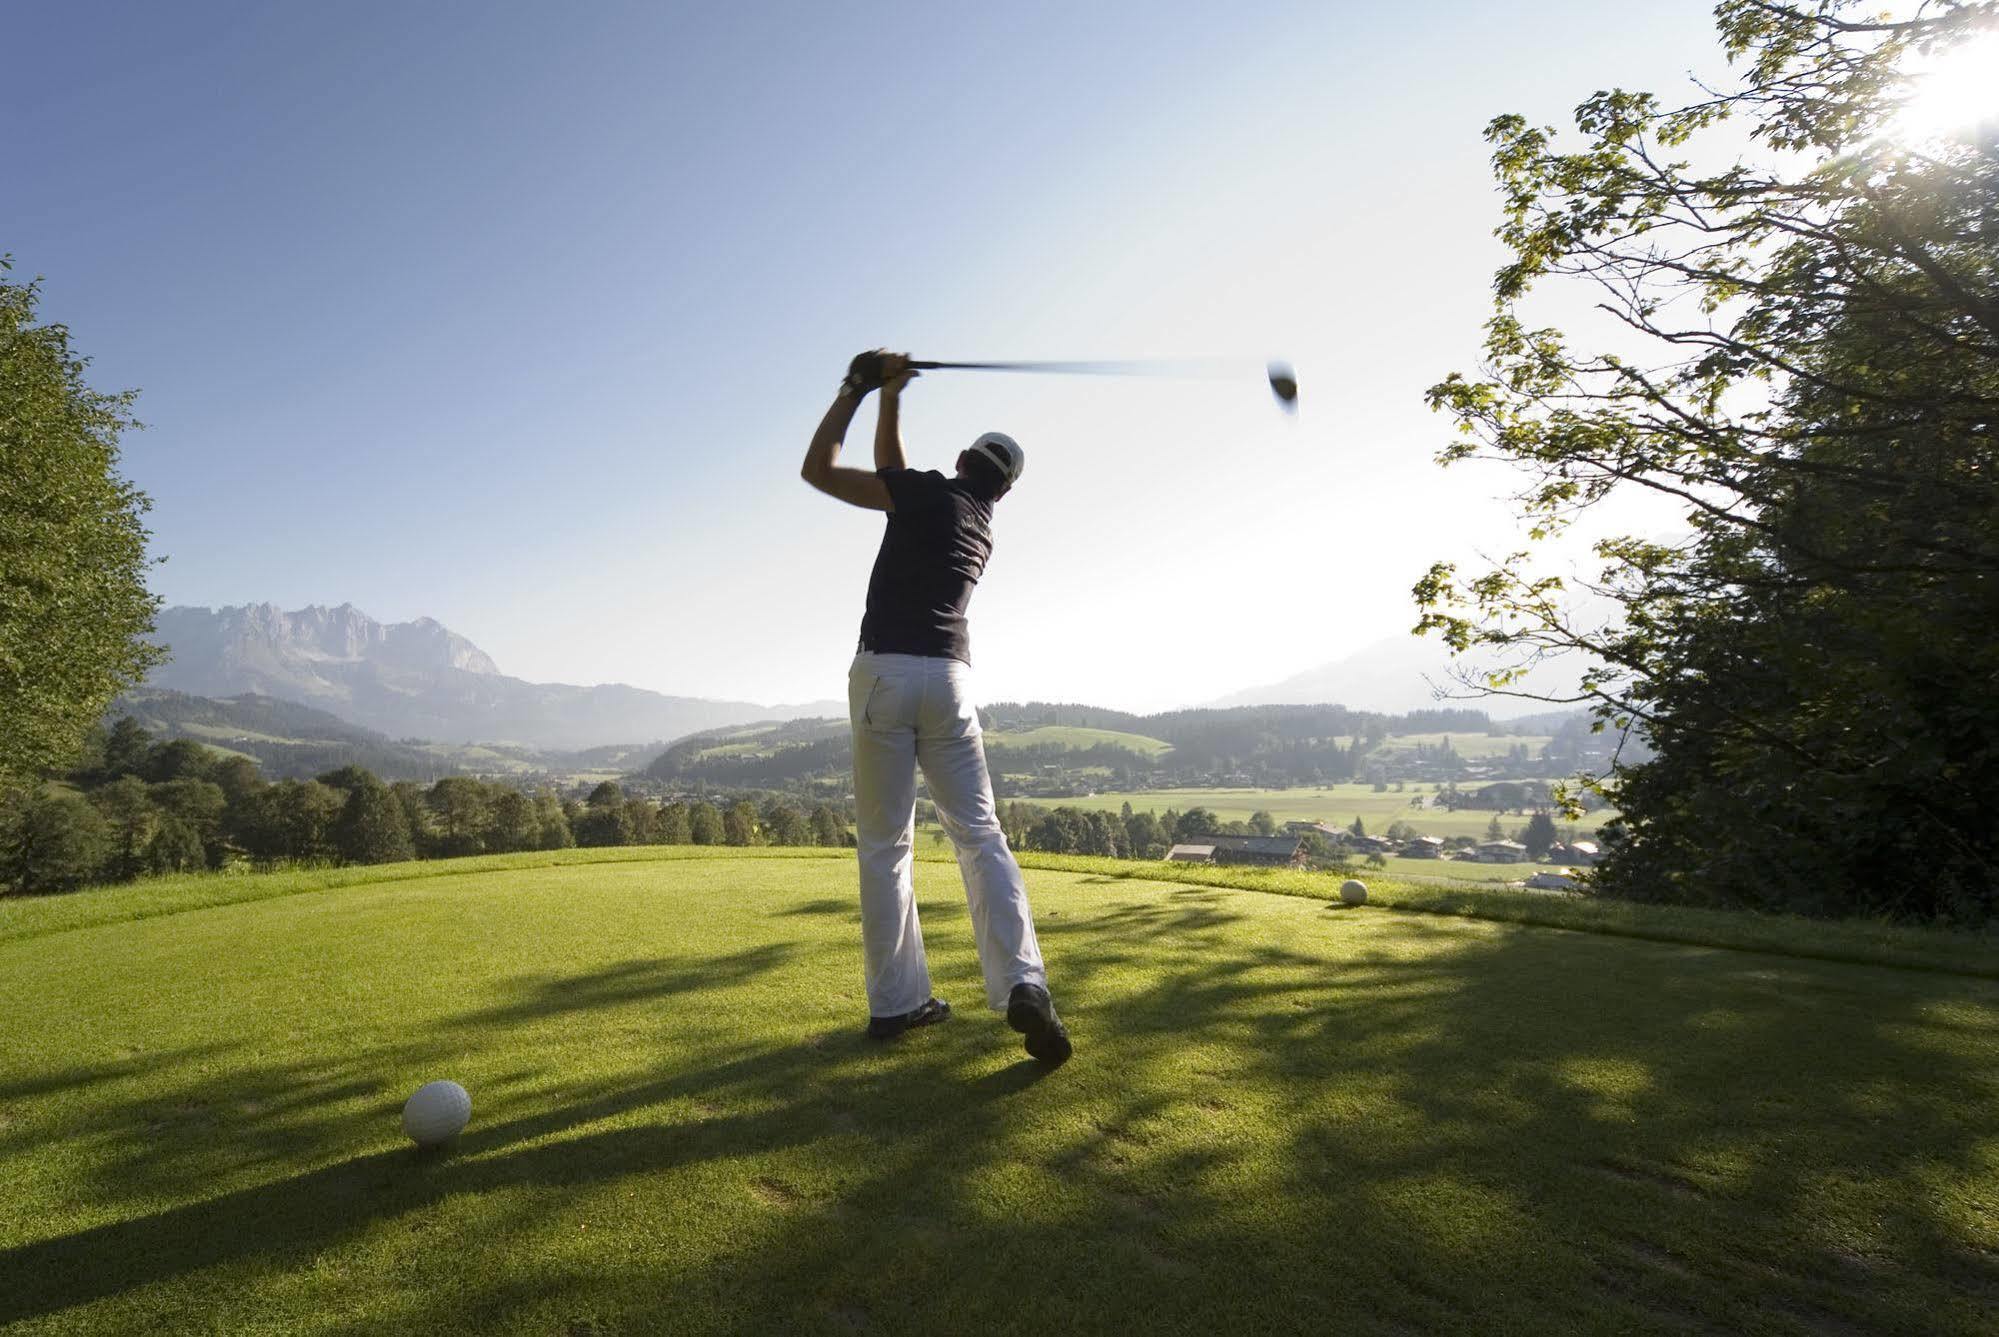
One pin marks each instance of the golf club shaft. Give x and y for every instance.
(1152, 368)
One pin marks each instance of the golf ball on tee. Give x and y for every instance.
(1353, 891)
(437, 1113)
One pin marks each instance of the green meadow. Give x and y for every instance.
(1335, 804)
(1283, 1116)
(1076, 738)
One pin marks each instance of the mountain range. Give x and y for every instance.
(419, 680)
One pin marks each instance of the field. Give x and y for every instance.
(1076, 738)
(1335, 804)
(1283, 1116)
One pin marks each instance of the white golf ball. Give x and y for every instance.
(1353, 891)
(437, 1113)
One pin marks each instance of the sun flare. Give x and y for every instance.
(1960, 88)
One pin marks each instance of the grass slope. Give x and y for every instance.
(1076, 738)
(1283, 1117)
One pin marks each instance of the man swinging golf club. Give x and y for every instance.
(909, 695)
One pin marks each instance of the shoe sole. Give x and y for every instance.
(1047, 1039)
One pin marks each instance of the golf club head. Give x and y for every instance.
(1284, 384)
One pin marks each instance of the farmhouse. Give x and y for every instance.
(1500, 851)
(1191, 854)
(1581, 853)
(1261, 851)
(1424, 847)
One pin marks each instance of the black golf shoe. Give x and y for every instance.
(1031, 1011)
(929, 1014)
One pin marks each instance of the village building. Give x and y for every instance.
(1258, 851)
(1191, 854)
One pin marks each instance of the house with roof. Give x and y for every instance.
(1581, 853)
(1258, 851)
(1191, 854)
(1500, 851)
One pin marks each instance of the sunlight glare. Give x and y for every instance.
(1960, 89)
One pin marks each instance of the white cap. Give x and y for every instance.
(1004, 452)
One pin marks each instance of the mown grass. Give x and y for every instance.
(1283, 1117)
(1861, 942)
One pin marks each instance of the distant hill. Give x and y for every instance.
(291, 741)
(286, 739)
(1393, 677)
(1243, 745)
(417, 680)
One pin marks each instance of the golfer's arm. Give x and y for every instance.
(888, 429)
(854, 486)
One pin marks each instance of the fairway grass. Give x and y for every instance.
(1283, 1116)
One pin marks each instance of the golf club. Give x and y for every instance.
(1283, 381)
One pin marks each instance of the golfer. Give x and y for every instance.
(910, 697)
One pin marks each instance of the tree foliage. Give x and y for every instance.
(73, 601)
(1802, 355)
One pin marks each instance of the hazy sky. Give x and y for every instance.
(520, 316)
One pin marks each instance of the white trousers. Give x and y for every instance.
(910, 711)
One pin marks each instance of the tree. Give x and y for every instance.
(604, 824)
(372, 826)
(673, 825)
(642, 821)
(130, 821)
(1101, 835)
(199, 806)
(739, 824)
(463, 813)
(237, 776)
(1263, 823)
(292, 819)
(827, 828)
(347, 779)
(74, 609)
(1195, 823)
(606, 795)
(785, 825)
(1359, 828)
(516, 824)
(410, 796)
(555, 833)
(125, 750)
(1539, 836)
(1055, 833)
(704, 824)
(1144, 837)
(50, 842)
(176, 847)
(1810, 370)
(1493, 830)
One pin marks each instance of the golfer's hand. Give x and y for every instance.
(896, 372)
(864, 373)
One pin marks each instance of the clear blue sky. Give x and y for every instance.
(519, 316)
